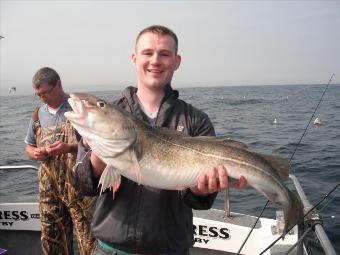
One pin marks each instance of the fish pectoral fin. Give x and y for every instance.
(109, 178)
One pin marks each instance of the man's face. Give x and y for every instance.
(155, 60)
(46, 92)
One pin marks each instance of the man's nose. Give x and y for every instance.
(155, 58)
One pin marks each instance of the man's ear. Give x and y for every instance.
(133, 58)
(58, 83)
(178, 61)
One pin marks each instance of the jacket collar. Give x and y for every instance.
(167, 104)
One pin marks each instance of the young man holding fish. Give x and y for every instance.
(52, 140)
(138, 219)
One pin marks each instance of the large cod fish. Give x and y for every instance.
(165, 159)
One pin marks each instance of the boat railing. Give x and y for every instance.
(18, 167)
(314, 219)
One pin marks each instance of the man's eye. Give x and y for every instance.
(165, 54)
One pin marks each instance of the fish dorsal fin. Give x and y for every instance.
(170, 132)
(213, 139)
(222, 140)
(280, 165)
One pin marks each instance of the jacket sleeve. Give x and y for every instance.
(82, 175)
(201, 126)
(198, 202)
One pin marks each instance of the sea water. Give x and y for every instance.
(268, 119)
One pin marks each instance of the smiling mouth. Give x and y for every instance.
(155, 71)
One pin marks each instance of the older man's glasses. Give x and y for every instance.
(45, 94)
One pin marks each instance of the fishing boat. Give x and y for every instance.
(214, 232)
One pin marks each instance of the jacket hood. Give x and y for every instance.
(169, 101)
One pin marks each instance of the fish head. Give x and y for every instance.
(105, 127)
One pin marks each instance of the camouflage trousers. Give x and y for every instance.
(63, 210)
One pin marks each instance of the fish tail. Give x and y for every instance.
(294, 212)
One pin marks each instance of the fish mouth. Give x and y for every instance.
(80, 106)
(83, 116)
(80, 109)
(79, 117)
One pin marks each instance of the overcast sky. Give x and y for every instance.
(222, 43)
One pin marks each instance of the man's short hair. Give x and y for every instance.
(159, 30)
(45, 75)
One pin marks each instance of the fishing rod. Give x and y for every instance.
(302, 219)
(296, 147)
(310, 120)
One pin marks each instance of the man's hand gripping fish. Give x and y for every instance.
(165, 159)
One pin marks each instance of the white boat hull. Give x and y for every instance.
(212, 232)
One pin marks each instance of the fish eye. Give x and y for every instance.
(101, 104)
